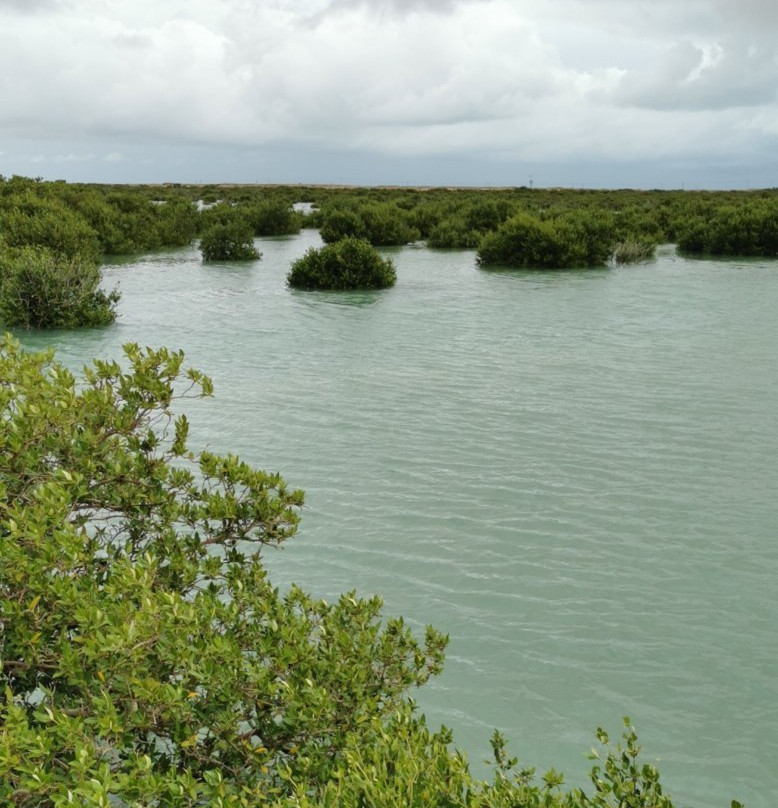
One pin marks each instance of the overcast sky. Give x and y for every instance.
(585, 93)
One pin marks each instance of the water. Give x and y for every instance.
(571, 473)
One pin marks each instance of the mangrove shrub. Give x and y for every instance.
(568, 240)
(382, 224)
(350, 263)
(43, 289)
(144, 653)
(749, 229)
(233, 241)
(28, 219)
(273, 218)
(633, 251)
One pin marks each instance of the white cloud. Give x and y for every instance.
(29, 6)
(717, 76)
(70, 157)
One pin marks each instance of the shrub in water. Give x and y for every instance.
(750, 229)
(27, 220)
(350, 263)
(633, 251)
(274, 218)
(570, 240)
(387, 225)
(41, 289)
(338, 224)
(383, 225)
(453, 233)
(233, 241)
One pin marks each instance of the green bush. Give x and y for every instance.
(338, 224)
(132, 226)
(568, 240)
(387, 225)
(273, 218)
(350, 263)
(40, 289)
(177, 222)
(453, 233)
(381, 224)
(144, 651)
(484, 215)
(229, 242)
(30, 220)
(633, 251)
(749, 230)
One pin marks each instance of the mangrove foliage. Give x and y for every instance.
(350, 263)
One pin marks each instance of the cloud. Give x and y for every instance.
(70, 157)
(724, 76)
(30, 6)
(401, 7)
(487, 79)
(260, 77)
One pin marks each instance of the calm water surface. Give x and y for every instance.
(571, 473)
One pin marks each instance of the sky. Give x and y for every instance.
(571, 93)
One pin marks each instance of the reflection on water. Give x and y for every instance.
(571, 473)
(356, 299)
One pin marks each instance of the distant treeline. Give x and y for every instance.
(59, 229)
(129, 219)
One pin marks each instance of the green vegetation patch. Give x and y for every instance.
(350, 263)
(633, 251)
(233, 241)
(41, 289)
(572, 239)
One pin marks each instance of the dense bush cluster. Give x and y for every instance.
(41, 289)
(513, 227)
(381, 224)
(147, 659)
(72, 226)
(350, 263)
(231, 241)
(570, 240)
(274, 218)
(49, 263)
(732, 230)
(464, 227)
(29, 220)
(53, 236)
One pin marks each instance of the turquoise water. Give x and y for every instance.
(571, 473)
